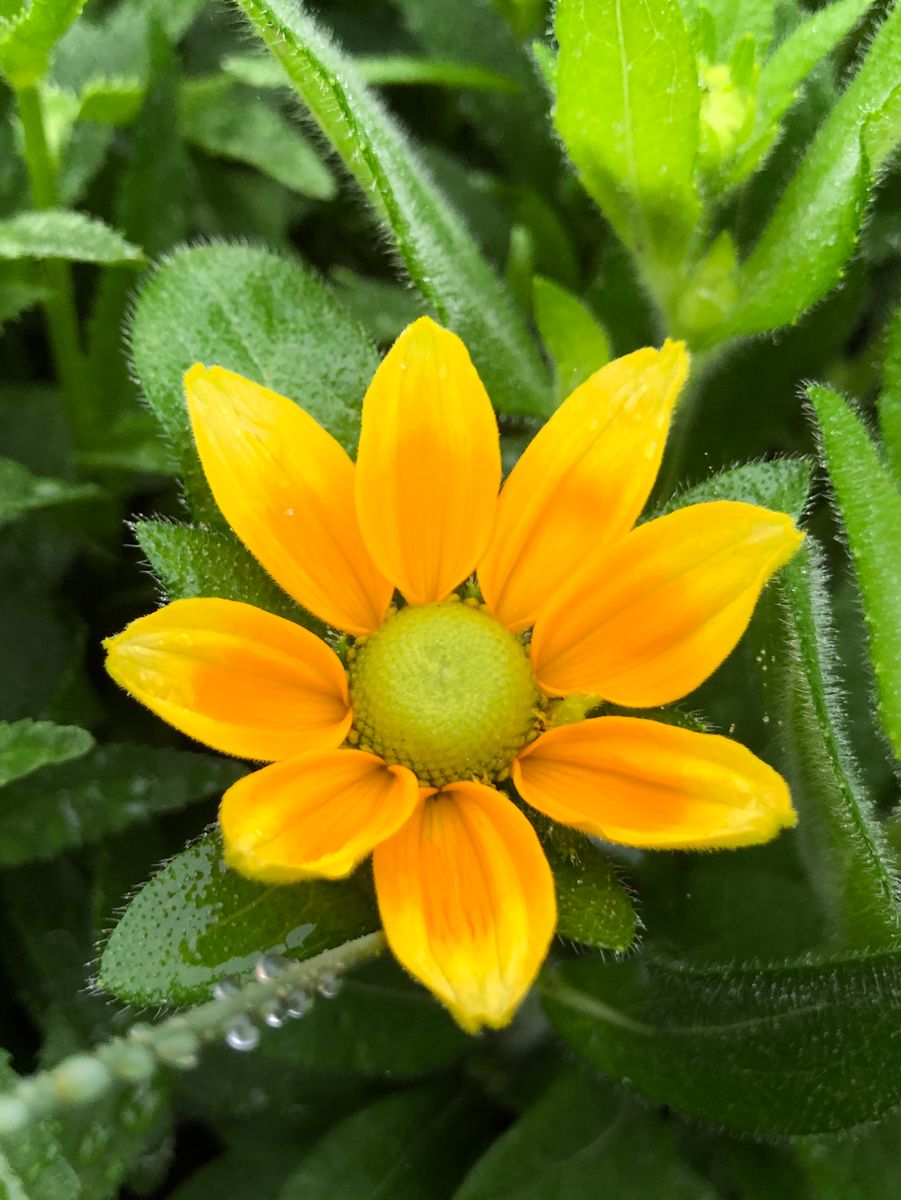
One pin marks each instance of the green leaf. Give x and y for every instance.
(843, 844)
(436, 250)
(27, 745)
(782, 485)
(382, 1024)
(813, 231)
(794, 59)
(196, 922)
(75, 803)
(411, 1146)
(793, 1048)
(889, 407)
(21, 492)
(233, 123)
(571, 334)
(190, 561)
(27, 39)
(582, 1140)
(253, 312)
(627, 110)
(111, 101)
(57, 233)
(870, 506)
(593, 907)
(384, 309)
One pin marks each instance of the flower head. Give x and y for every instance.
(406, 746)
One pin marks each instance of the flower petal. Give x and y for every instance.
(317, 815)
(234, 677)
(429, 466)
(642, 783)
(582, 481)
(286, 487)
(467, 901)
(648, 621)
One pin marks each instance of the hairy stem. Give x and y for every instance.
(175, 1042)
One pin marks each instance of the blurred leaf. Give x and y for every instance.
(32, 1165)
(843, 843)
(890, 399)
(36, 652)
(411, 1146)
(800, 255)
(379, 70)
(27, 745)
(381, 1024)
(56, 233)
(21, 492)
(627, 110)
(863, 1165)
(383, 309)
(516, 129)
(196, 922)
(788, 1048)
(735, 19)
(29, 35)
(571, 334)
(231, 122)
(593, 907)
(115, 785)
(583, 1140)
(190, 561)
(441, 258)
(111, 100)
(870, 506)
(392, 69)
(255, 313)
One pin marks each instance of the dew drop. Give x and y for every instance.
(269, 967)
(224, 989)
(298, 1003)
(273, 1014)
(242, 1034)
(329, 985)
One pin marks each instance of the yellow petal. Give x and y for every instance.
(234, 677)
(429, 465)
(467, 901)
(286, 487)
(582, 481)
(648, 621)
(318, 815)
(645, 784)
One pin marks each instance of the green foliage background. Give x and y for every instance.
(279, 188)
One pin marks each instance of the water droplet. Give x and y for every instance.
(242, 1034)
(329, 985)
(298, 1003)
(270, 966)
(273, 1014)
(224, 988)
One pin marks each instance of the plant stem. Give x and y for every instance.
(175, 1042)
(59, 305)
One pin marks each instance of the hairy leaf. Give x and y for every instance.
(436, 250)
(790, 1048)
(253, 312)
(890, 399)
(196, 922)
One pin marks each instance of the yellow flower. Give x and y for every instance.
(398, 752)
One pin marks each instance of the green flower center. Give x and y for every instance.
(445, 690)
